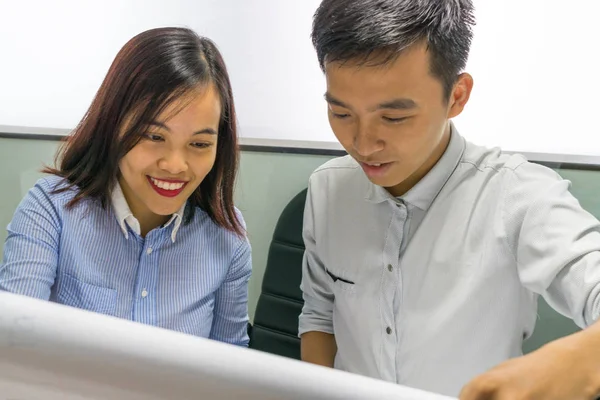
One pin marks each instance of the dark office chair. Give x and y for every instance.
(275, 327)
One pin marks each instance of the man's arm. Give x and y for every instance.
(318, 348)
(316, 320)
(567, 368)
(554, 241)
(556, 246)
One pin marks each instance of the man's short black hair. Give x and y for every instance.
(355, 30)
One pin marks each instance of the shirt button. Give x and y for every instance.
(388, 330)
(149, 250)
(390, 268)
(144, 293)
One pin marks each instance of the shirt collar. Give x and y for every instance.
(426, 190)
(125, 216)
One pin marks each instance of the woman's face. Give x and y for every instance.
(161, 172)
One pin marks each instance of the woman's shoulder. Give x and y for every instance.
(54, 188)
(55, 194)
(201, 220)
(45, 201)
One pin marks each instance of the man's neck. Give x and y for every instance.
(424, 169)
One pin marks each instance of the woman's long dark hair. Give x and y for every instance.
(151, 71)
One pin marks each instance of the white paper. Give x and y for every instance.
(50, 351)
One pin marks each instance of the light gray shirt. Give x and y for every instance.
(436, 287)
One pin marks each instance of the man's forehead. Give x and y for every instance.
(381, 59)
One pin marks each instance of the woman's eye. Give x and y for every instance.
(201, 145)
(154, 137)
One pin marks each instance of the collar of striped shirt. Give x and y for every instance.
(125, 216)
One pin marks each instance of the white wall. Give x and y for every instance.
(534, 62)
(537, 76)
(56, 53)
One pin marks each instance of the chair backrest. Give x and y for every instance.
(275, 327)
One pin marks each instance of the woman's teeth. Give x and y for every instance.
(167, 185)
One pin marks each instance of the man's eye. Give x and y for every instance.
(395, 120)
(340, 116)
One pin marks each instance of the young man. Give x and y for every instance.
(425, 254)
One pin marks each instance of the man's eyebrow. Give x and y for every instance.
(394, 104)
(332, 100)
(398, 104)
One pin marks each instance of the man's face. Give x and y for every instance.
(393, 118)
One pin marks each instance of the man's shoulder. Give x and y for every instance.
(345, 163)
(491, 158)
(510, 165)
(341, 175)
(336, 170)
(340, 184)
(519, 182)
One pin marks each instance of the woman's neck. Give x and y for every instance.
(149, 221)
(146, 218)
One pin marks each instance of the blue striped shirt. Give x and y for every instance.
(194, 282)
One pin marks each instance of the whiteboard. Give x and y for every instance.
(54, 352)
(534, 65)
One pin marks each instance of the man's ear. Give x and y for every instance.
(460, 95)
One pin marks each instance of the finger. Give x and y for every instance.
(479, 389)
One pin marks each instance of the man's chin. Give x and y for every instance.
(384, 183)
(393, 186)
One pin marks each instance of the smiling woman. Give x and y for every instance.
(172, 158)
(137, 219)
